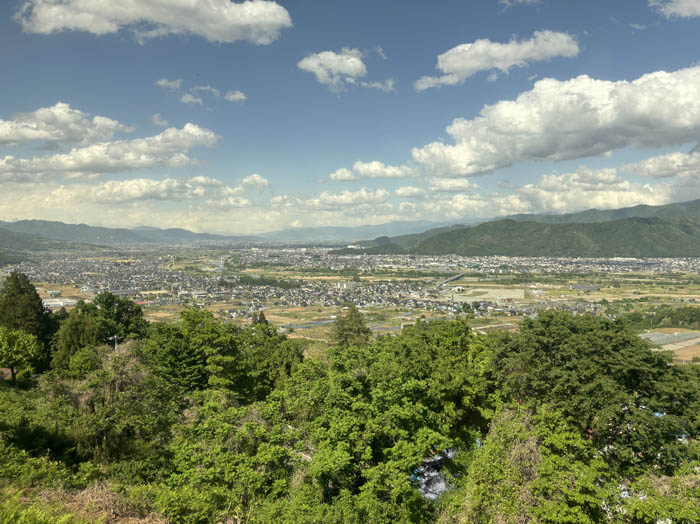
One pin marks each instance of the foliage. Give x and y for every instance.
(119, 316)
(532, 467)
(609, 381)
(350, 329)
(571, 420)
(13, 511)
(20, 305)
(77, 331)
(89, 325)
(18, 350)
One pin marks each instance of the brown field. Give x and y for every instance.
(66, 291)
(687, 353)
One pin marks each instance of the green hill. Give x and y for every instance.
(16, 247)
(590, 216)
(629, 237)
(675, 210)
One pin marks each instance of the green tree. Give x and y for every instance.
(609, 381)
(174, 357)
(18, 350)
(119, 316)
(78, 331)
(266, 360)
(22, 308)
(532, 467)
(259, 318)
(20, 305)
(350, 329)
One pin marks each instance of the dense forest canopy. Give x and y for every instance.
(574, 419)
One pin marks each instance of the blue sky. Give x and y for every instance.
(247, 117)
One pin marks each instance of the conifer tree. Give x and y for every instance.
(21, 307)
(350, 329)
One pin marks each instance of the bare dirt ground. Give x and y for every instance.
(687, 353)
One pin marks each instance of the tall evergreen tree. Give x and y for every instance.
(21, 307)
(350, 329)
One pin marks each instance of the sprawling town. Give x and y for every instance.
(236, 283)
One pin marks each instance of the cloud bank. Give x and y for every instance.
(561, 120)
(256, 21)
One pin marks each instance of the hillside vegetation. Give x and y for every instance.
(500, 237)
(571, 420)
(630, 237)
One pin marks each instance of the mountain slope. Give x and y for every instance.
(16, 247)
(675, 210)
(629, 237)
(110, 236)
(590, 216)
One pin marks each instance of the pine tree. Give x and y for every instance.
(21, 307)
(350, 329)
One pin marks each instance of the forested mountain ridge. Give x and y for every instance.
(409, 243)
(629, 237)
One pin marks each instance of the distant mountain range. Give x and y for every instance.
(153, 235)
(627, 237)
(668, 230)
(347, 233)
(115, 236)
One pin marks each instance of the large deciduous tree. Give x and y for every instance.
(18, 350)
(119, 316)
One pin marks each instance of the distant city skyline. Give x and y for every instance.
(241, 118)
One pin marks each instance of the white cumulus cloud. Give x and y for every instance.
(206, 89)
(348, 198)
(189, 98)
(387, 86)
(255, 181)
(451, 185)
(681, 8)
(136, 189)
(58, 123)
(409, 192)
(667, 166)
(560, 120)
(589, 188)
(373, 169)
(340, 70)
(465, 60)
(167, 148)
(257, 21)
(333, 69)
